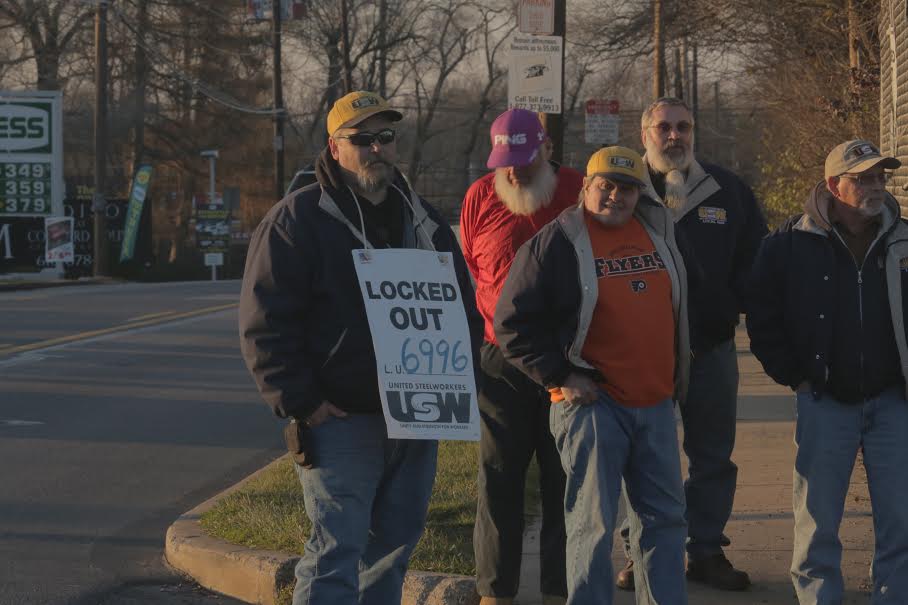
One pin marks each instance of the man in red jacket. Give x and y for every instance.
(500, 212)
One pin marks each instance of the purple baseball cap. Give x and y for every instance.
(516, 137)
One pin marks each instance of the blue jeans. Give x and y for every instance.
(367, 498)
(600, 443)
(709, 417)
(828, 435)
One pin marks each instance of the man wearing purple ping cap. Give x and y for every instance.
(500, 212)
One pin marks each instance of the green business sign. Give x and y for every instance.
(31, 154)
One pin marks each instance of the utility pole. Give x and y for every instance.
(658, 51)
(345, 43)
(99, 198)
(278, 102)
(694, 96)
(554, 122)
(382, 49)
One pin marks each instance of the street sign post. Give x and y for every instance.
(534, 73)
(536, 17)
(214, 260)
(31, 154)
(602, 121)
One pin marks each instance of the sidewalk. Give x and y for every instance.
(760, 528)
(761, 525)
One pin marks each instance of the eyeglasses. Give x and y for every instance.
(868, 180)
(366, 139)
(666, 128)
(607, 186)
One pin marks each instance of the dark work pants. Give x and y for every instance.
(709, 418)
(515, 425)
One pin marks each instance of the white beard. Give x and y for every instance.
(675, 189)
(524, 200)
(673, 166)
(663, 162)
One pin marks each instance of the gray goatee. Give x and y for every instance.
(675, 190)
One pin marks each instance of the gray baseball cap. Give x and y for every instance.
(856, 156)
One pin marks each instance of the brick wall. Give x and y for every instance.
(894, 92)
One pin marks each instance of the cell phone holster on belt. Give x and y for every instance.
(298, 437)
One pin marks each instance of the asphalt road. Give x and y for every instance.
(121, 407)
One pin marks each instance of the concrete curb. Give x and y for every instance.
(16, 285)
(257, 576)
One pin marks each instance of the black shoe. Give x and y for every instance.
(625, 579)
(718, 572)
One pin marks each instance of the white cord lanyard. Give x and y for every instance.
(362, 223)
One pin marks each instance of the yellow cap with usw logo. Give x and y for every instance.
(353, 108)
(618, 164)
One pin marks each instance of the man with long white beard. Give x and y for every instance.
(718, 215)
(500, 212)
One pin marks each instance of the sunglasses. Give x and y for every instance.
(666, 128)
(868, 180)
(366, 139)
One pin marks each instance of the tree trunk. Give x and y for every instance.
(854, 63)
(679, 80)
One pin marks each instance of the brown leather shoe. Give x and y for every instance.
(718, 572)
(625, 578)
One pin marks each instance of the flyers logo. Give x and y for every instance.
(638, 285)
(628, 265)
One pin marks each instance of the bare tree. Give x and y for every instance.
(445, 37)
(495, 26)
(42, 32)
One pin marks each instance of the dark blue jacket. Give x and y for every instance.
(303, 328)
(722, 222)
(819, 315)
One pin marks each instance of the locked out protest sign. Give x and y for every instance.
(422, 343)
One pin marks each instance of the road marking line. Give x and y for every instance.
(112, 330)
(20, 422)
(150, 316)
(15, 299)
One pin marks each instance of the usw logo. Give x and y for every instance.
(425, 406)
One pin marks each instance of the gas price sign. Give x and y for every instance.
(25, 188)
(31, 154)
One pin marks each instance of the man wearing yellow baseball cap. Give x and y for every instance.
(595, 309)
(306, 340)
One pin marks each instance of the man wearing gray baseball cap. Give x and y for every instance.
(827, 318)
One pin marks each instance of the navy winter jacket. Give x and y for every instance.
(723, 223)
(819, 315)
(303, 327)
